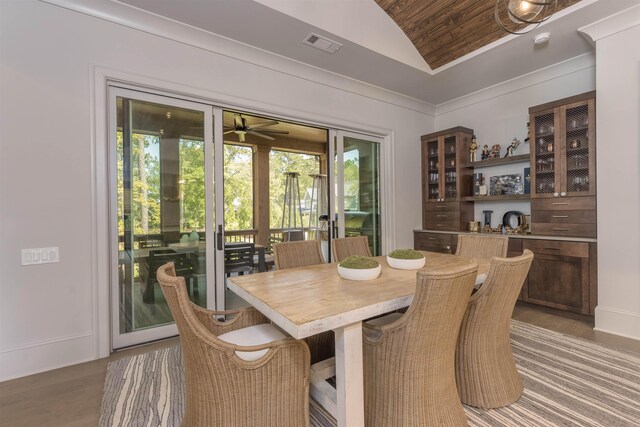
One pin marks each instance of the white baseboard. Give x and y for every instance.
(45, 356)
(617, 322)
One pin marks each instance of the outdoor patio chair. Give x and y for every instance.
(238, 258)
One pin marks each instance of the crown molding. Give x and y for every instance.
(125, 15)
(570, 66)
(611, 25)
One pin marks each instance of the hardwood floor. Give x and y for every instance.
(72, 396)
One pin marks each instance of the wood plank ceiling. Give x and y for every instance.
(445, 30)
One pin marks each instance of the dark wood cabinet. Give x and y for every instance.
(562, 135)
(435, 242)
(444, 180)
(563, 167)
(562, 275)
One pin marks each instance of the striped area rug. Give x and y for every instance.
(568, 382)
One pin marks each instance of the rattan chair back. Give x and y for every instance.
(345, 247)
(297, 254)
(224, 390)
(409, 376)
(485, 368)
(483, 247)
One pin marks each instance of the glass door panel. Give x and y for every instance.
(577, 151)
(160, 150)
(544, 154)
(358, 188)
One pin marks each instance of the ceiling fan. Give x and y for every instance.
(241, 128)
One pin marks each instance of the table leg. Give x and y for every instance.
(349, 376)
(262, 266)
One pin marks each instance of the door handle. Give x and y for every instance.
(219, 238)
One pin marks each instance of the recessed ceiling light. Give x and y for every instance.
(542, 38)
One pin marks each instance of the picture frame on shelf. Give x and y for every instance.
(502, 185)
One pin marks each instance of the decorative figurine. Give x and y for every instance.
(472, 148)
(526, 140)
(485, 152)
(514, 144)
(495, 151)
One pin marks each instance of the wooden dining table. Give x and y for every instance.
(310, 300)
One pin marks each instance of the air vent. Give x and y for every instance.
(322, 43)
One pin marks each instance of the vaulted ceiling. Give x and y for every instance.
(445, 30)
(464, 49)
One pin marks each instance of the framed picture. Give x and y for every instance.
(505, 185)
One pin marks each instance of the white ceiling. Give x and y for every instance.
(375, 50)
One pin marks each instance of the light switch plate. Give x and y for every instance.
(40, 255)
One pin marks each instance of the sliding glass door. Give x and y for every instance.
(357, 190)
(163, 208)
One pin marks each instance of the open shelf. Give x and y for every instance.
(505, 198)
(501, 161)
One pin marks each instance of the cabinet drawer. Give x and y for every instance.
(557, 247)
(443, 224)
(433, 242)
(564, 217)
(442, 206)
(564, 204)
(569, 230)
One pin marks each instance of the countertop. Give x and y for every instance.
(517, 236)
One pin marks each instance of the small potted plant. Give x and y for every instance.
(359, 268)
(405, 259)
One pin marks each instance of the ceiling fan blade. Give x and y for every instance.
(253, 132)
(229, 131)
(259, 125)
(282, 132)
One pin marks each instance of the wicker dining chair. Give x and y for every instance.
(344, 247)
(483, 247)
(485, 369)
(409, 375)
(304, 253)
(297, 254)
(228, 384)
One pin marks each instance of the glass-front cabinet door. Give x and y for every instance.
(579, 156)
(564, 150)
(545, 181)
(162, 156)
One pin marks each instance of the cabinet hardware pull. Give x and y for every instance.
(431, 238)
(441, 216)
(560, 229)
(439, 225)
(560, 216)
(441, 207)
(551, 249)
(559, 203)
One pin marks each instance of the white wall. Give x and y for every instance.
(500, 113)
(50, 315)
(618, 157)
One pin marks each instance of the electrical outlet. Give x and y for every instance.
(40, 255)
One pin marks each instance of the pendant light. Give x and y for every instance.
(522, 12)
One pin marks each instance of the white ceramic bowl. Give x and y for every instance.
(406, 264)
(359, 273)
